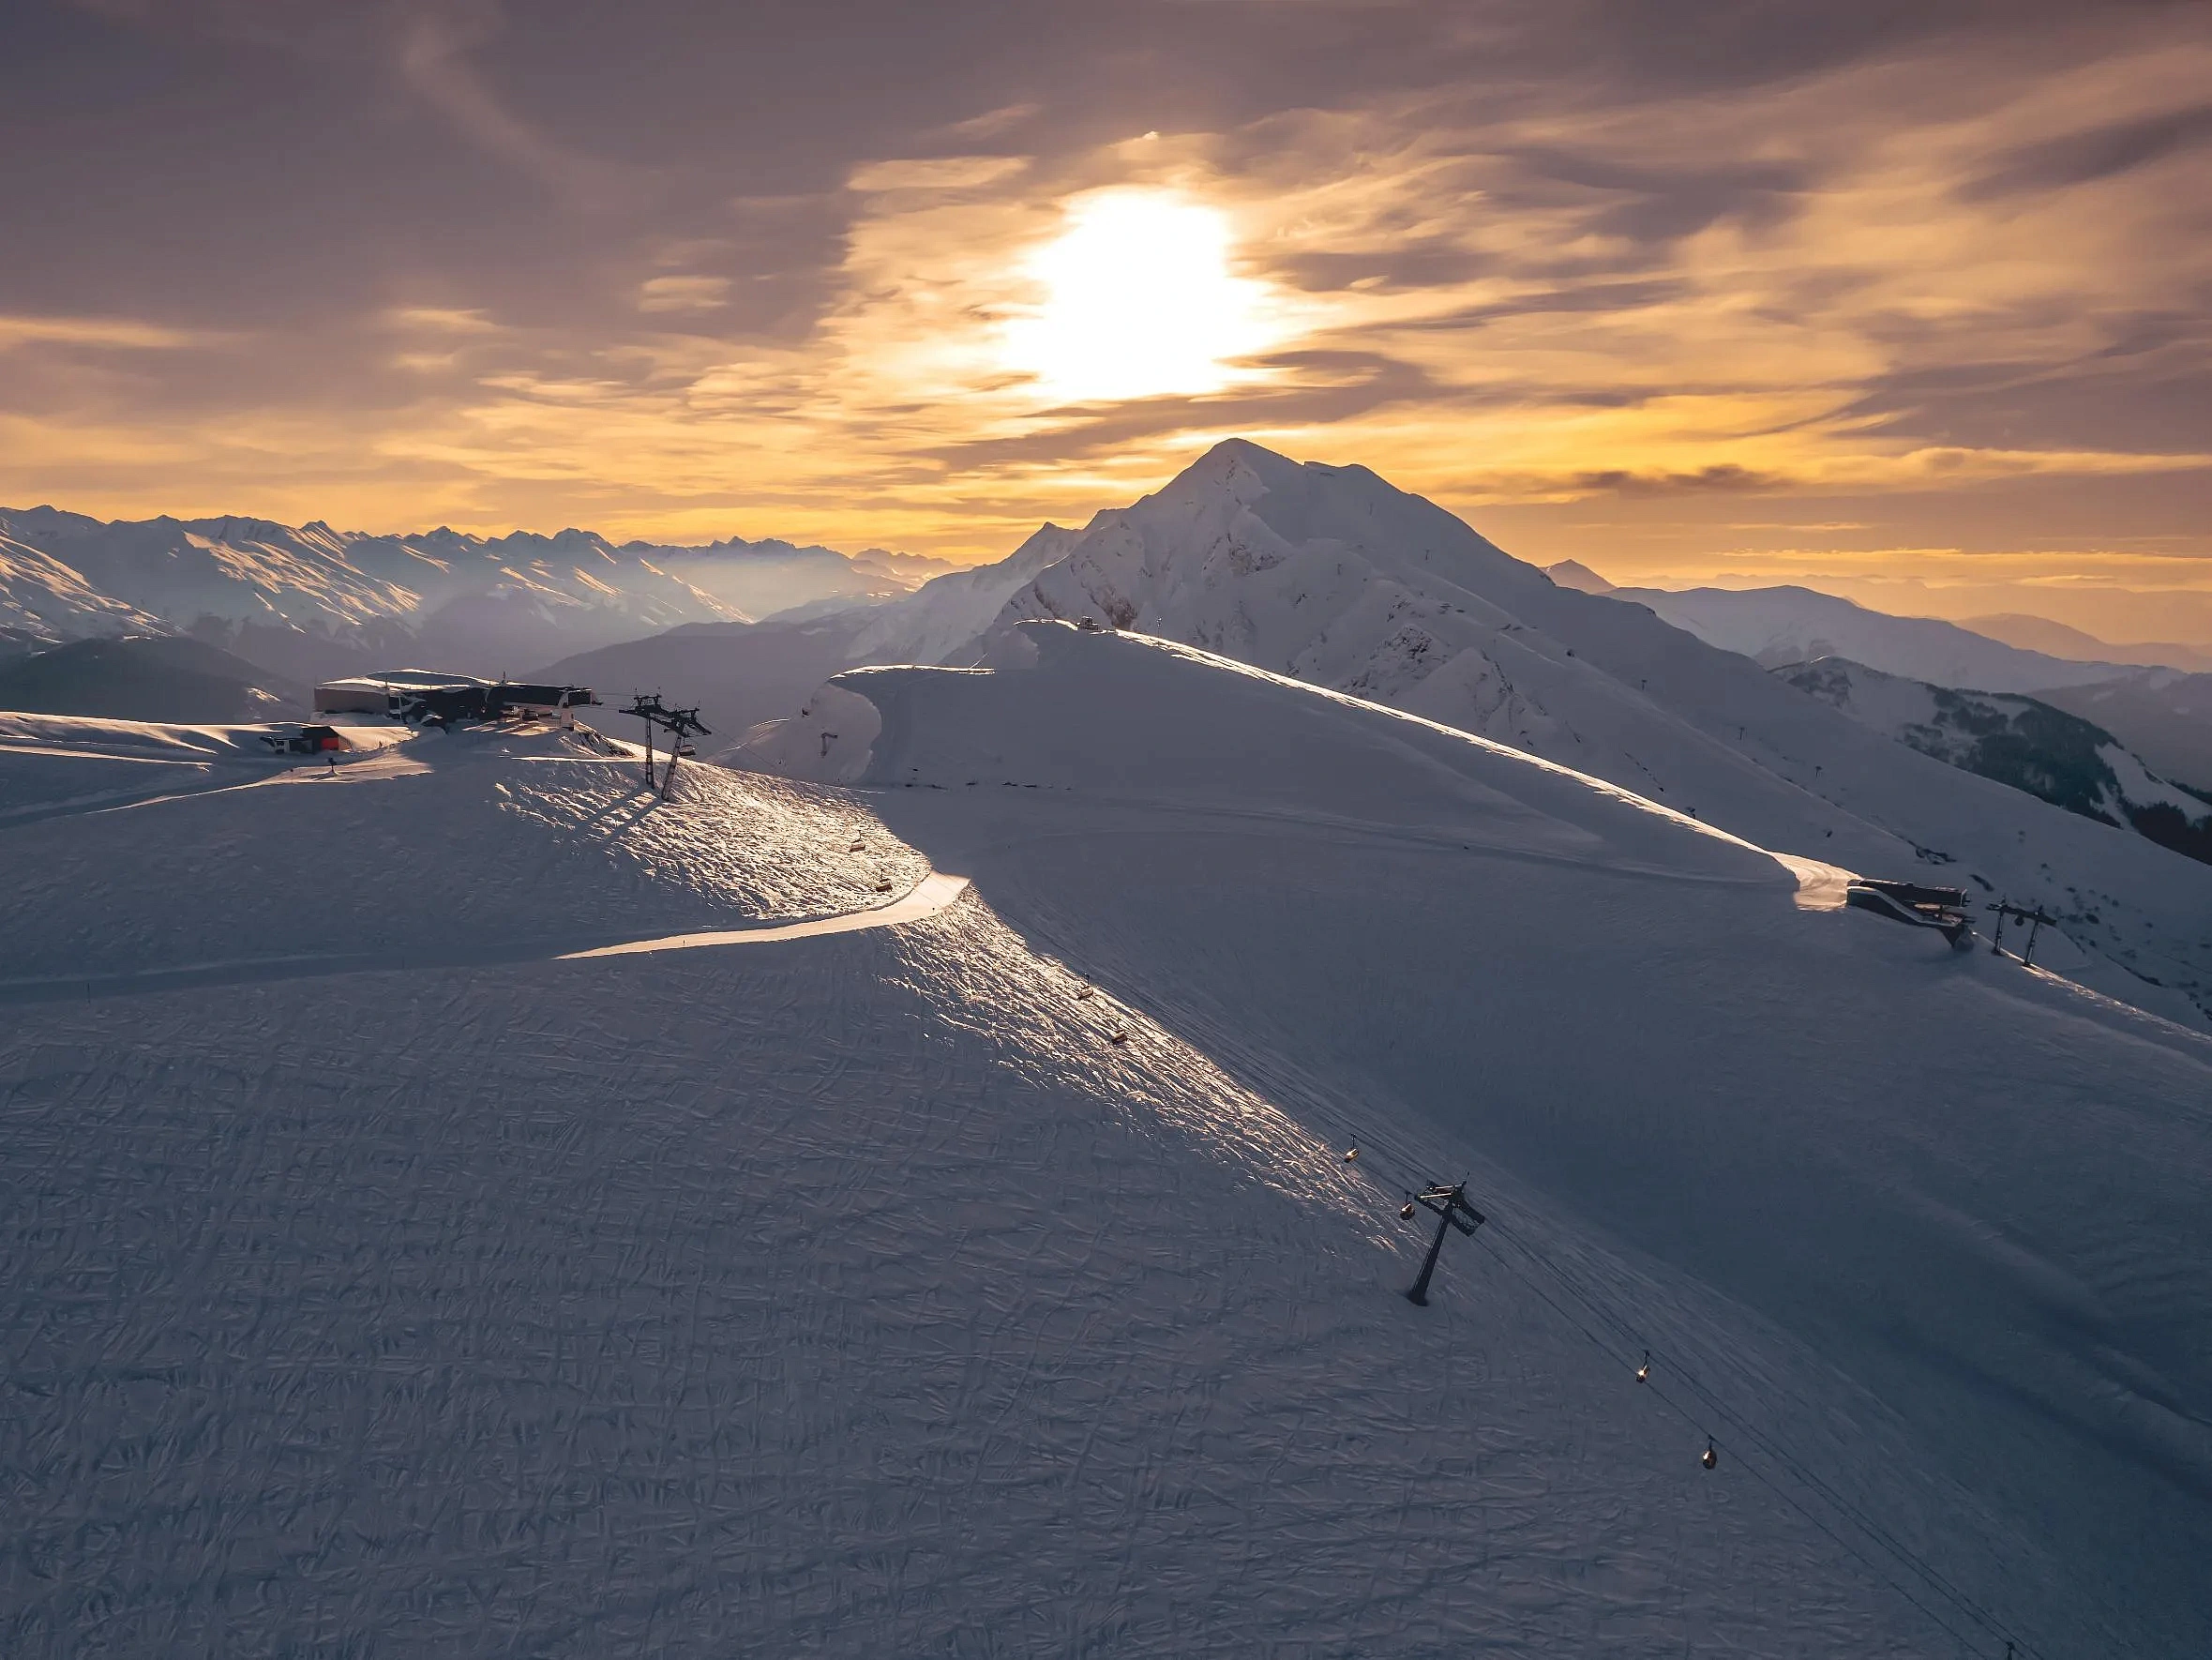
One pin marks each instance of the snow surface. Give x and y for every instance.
(54, 764)
(864, 1294)
(587, 853)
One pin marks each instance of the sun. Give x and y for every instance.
(1139, 301)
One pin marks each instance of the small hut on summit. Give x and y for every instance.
(306, 740)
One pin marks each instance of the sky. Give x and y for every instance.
(1906, 299)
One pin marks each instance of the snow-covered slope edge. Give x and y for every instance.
(1330, 575)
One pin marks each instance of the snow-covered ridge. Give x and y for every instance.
(860, 729)
(1335, 578)
(45, 600)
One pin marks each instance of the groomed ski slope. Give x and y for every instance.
(861, 1293)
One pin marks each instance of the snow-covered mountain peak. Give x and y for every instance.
(1245, 550)
(1331, 575)
(1238, 466)
(1572, 573)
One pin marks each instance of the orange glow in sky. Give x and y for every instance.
(1898, 310)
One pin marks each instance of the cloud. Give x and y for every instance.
(1722, 477)
(456, 320)
(427, 46)
(939, 173)
(683, 293)
(433, 41)
(2098, 153)
(992, 121)
(118, 333)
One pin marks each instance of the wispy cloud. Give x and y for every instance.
(991, 123)
(451, 319)
(433, 46)
(936, 173)
(120, 333)
(683, 293)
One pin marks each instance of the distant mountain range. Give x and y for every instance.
(1793, 625)
(1774, 626)
(2059, 641)
(741, 673)
(2140, 695)
(307, 601)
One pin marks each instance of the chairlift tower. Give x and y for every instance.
(680, 724)
(2035, 919)
(649, 710)
(1452, 1210)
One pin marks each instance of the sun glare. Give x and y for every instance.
(1138, 302)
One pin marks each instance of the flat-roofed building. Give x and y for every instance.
(422, 694)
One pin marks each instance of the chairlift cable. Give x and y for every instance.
(1393, 1165)
(1332, 1121)
(1387, 1161)
(1903, 1553)
(1779, 1456)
